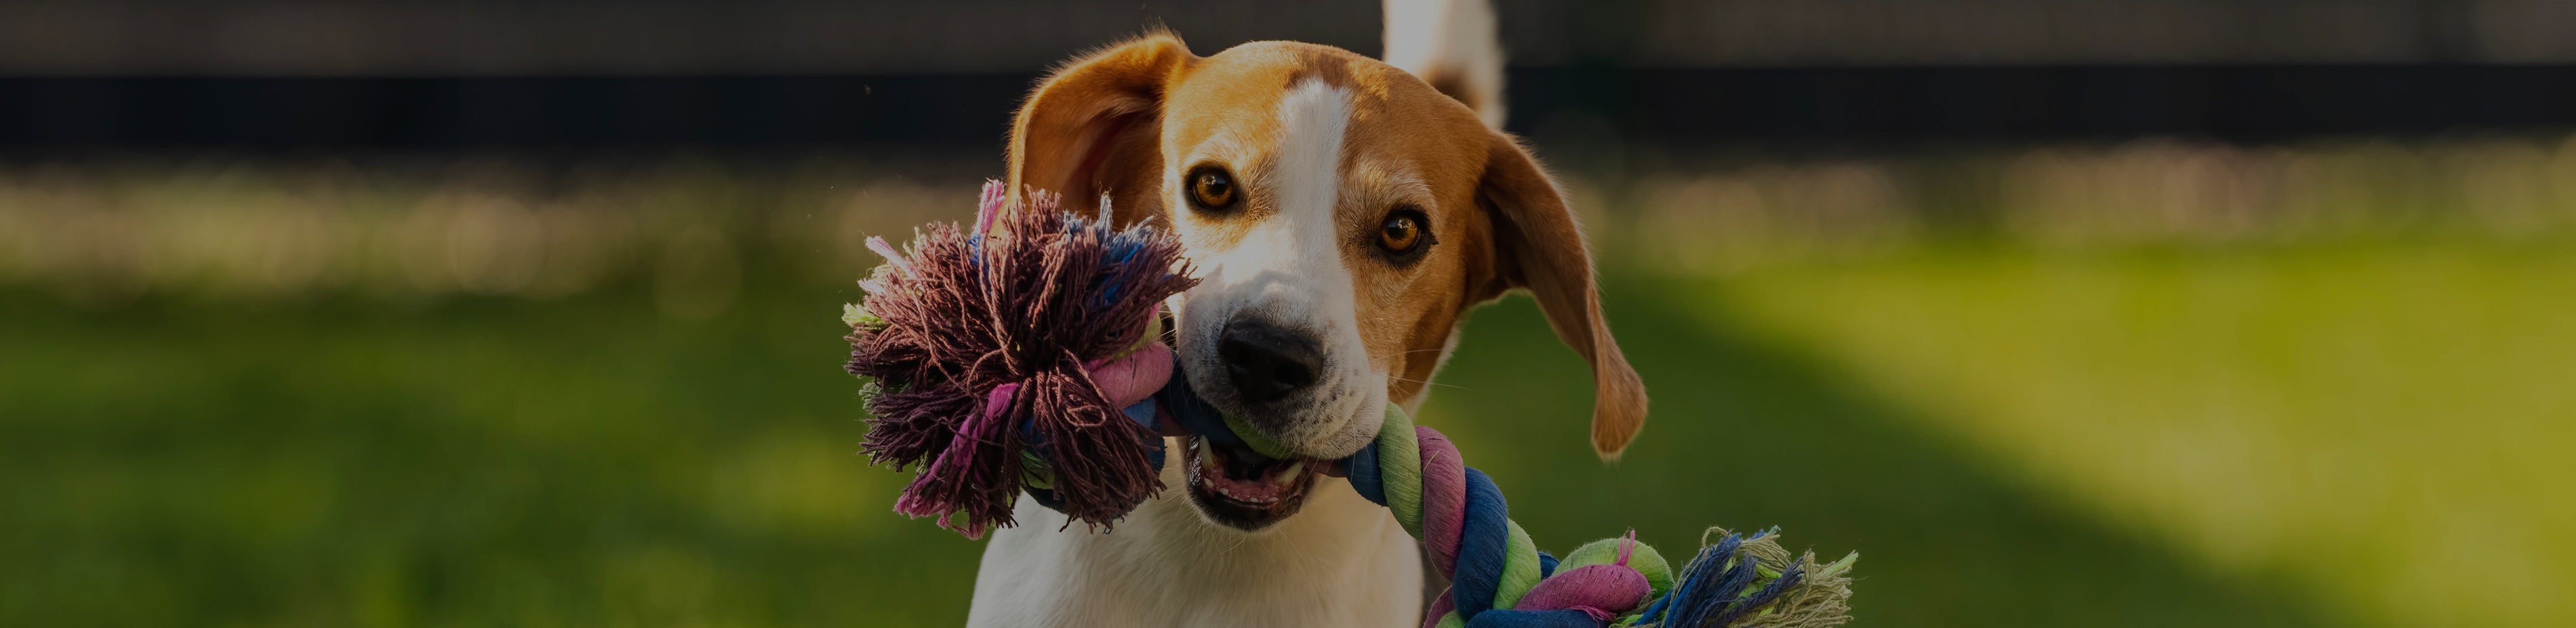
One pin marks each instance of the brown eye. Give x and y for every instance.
(1402, 232)
(1211, 188)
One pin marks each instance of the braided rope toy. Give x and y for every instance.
(1025, 357)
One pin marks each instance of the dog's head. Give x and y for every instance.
(1344, 216)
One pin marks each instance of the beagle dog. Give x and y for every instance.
(1344, 215)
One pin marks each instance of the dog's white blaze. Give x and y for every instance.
(1314, 119)
(1287, 267)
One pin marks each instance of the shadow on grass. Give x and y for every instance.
(1748, 434)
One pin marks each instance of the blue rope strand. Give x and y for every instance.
(1723, 593)
(1194, 414)
(1747, 606)
(1682, 605)
(1361, 470)
(1560, 618)
(1481, 543)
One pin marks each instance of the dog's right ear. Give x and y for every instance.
(1538, 247)
(1093, 128)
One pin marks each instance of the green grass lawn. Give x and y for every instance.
(585, 462)
(2327, 435)
(2384, 425)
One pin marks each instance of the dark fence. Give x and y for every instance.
(1656, 106)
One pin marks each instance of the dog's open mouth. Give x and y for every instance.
(1243, 489)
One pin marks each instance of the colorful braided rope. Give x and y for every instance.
(1498, 577)
(1492, 565)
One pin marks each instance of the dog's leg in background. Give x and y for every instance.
(1452, 45)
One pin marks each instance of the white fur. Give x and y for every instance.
(1427, 36)
(1341, 561)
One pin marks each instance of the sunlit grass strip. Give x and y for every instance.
(2384, 424)
(1729, 214)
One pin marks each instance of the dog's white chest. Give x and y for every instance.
(1341, 562)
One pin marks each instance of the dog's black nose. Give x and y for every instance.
(1267, 362)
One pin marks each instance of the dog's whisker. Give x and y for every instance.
(1426, 382)
(1400, 353)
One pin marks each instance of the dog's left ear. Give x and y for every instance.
(1537, 246)
(1092, 128)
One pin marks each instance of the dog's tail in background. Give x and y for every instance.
(1452, 45)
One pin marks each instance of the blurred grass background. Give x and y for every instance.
(2148, 383)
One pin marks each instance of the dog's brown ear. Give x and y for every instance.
(1537, 246)
(1092, 128)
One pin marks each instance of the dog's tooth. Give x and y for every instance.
(1289, 474)
(1207, 457)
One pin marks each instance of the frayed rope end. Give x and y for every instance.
(1740, 581)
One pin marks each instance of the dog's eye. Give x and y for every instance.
(1211, 188)
(1403, 232)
